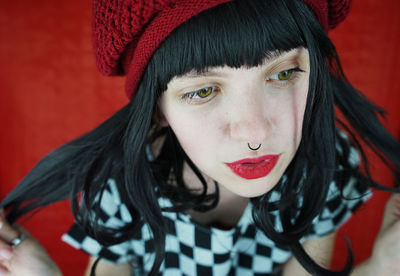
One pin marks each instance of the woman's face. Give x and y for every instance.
(216, 114)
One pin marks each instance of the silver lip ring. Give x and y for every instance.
(15, 242)
(259, 146)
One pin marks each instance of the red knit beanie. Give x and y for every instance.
(126, 33)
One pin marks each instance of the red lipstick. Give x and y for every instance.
(252, 168)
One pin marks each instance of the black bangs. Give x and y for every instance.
(237, 33)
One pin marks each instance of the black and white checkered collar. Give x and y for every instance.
(244, 221)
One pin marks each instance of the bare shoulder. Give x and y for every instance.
(319, 249)
(106, 268)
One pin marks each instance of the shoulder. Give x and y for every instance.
(113, 212)
(347, 191)
(347, 154)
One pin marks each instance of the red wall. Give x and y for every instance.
(368, 44)
(51, 93)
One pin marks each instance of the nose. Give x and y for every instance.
(250, 122)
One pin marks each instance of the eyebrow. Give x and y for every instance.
(270, 57)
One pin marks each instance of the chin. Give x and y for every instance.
(257, 189)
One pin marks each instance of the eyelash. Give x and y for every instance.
(194, 95)
(284, 83)
(191, 96)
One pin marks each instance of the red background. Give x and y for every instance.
(51, 93)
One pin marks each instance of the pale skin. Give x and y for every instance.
(237, 106)
(258, 105)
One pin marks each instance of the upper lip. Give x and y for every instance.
(253, 160)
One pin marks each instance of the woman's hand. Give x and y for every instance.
(386, 252)
(385, 258)
(26, 258)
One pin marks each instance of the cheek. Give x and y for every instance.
(300, 102)
(292, 114)
(196, 135)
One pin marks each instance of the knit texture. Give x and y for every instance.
(329, 12)
(337, 11)
(126, 33)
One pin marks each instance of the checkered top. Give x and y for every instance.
(194, 249)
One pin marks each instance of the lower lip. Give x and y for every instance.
(249, 170)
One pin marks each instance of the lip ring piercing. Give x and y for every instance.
(254, 149)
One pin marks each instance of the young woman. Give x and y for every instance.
(229, 158)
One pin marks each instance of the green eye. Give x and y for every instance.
(205, 92)
(285, 75)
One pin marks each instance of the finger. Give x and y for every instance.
(393, 206)
(391, 214)
(396, 203)
(7, 233)
(3, 270)
(21, 229)
(17, 227)
(6, 251)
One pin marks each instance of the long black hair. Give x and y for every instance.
(237, 33)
